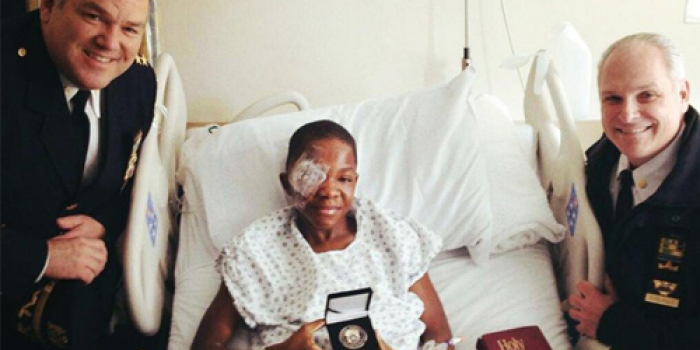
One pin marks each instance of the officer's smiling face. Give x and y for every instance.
(92, 42)
(642, 107)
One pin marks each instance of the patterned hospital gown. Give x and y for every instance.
(278, 283)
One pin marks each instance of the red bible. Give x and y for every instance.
(523, 338)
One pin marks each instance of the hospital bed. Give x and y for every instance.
(449, 158)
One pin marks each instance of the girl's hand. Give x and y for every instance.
(302, 339)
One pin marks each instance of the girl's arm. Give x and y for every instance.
(436, 327)
(219, 322)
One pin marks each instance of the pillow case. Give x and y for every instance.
(519, 207)
(418, 155)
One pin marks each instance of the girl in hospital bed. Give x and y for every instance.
(278, 272)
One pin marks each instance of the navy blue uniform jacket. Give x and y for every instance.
(632, 247)
(41, 171)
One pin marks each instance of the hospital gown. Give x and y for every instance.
(278, 283)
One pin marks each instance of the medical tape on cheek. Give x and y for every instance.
(306, 176)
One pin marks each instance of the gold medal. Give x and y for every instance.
(353, 336)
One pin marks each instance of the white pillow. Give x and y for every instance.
(521, 213)
(418, 155)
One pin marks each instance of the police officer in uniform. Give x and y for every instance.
(76, 101)
(643, 181)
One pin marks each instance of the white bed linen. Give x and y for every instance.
(196, 277)
(514, 289)
(521, 213)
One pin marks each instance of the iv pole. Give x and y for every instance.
(466, 59)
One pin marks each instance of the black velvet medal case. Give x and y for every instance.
(347, 320)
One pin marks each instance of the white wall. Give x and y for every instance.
(232, 52)
(599, 22)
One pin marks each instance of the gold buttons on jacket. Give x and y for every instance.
(21, 52)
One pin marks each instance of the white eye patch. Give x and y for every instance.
(307, 175)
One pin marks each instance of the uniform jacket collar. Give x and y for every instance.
(681, 188)
(45, 97)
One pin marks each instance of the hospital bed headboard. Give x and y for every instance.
(152, 224)
(561, 170)
(580, 256)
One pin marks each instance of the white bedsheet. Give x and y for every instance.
(514, 289)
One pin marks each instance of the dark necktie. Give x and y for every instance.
(81, 126)
(625, 200)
